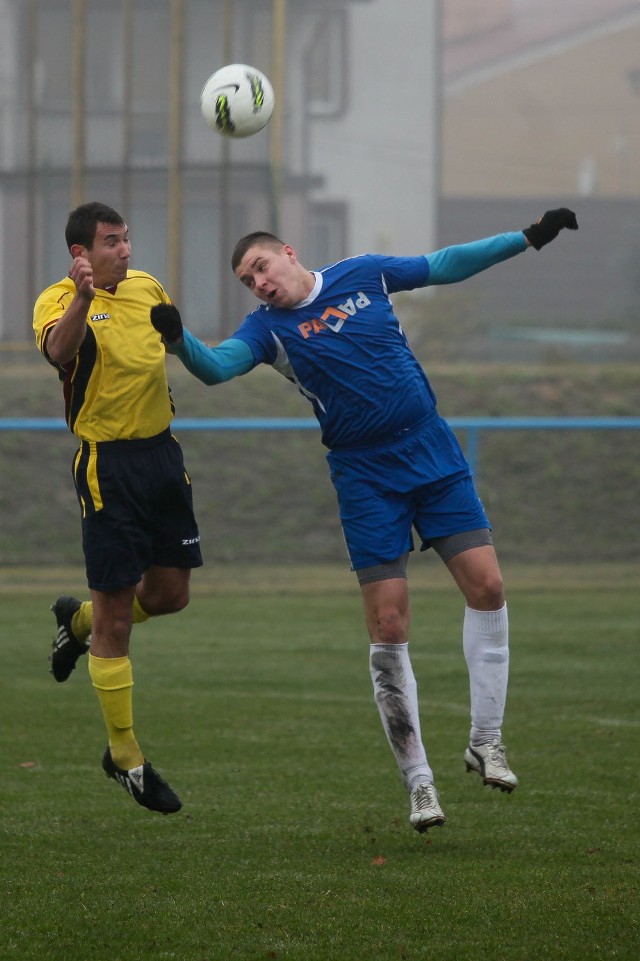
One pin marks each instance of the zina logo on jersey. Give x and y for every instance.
(334, 317)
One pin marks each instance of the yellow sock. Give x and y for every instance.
(81, 621)
(112, 677)
(139, 613)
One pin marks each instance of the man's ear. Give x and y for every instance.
(77, 250)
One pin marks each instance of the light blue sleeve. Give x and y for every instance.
(214, 365)
(451, 264)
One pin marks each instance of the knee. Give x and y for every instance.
(169, 600)
(487, 595)
(177, 601)
(390, 627)
(110, 634)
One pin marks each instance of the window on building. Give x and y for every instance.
(325, 66)
(52, 71)
(326, 240)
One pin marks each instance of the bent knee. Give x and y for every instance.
(165, 602)
(176, 602)
(488, 595)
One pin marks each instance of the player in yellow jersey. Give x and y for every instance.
(139, 534)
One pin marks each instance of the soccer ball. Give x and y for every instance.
(237, 100)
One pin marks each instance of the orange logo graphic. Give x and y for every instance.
(334, 317)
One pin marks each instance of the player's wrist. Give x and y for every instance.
(173, 345)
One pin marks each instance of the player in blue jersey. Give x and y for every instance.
(394, 462)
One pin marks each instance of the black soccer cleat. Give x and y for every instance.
(144, 784)
(66, 648)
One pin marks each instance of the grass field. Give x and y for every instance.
(293, 842)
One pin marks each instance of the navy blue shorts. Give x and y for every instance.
(421, 481)
(137, 509)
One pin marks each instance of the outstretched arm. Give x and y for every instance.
(211, 365)
(214, 365)
(452, 264)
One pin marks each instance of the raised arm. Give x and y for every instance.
(451, 264)
(211, 365)
(66, 335)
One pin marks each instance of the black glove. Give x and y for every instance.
(167, 321)
(549, 226)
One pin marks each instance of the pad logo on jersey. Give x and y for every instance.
(333, 318)
(100, 316)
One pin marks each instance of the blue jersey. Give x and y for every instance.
(343, 346)
(345, 350)
(394, 462)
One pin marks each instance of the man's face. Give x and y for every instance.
(274, 275)
(110, 254)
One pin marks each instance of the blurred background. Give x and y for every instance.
(400, 126)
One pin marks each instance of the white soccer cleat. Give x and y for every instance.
(490, 762)
(425, 808)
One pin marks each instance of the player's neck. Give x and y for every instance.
(308, 282)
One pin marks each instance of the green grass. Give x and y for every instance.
(293, 842)
(552, 496)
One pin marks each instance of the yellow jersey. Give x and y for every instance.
(115, 388)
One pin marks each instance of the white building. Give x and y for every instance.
(401, 126)
(101, 101)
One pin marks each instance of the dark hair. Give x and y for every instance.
(257, 238)
(82, 223)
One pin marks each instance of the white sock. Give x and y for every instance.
(396, 694)
(485, 641)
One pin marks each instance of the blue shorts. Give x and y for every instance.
(137, 509)
(420, 481)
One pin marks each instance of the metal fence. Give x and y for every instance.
(472, 426)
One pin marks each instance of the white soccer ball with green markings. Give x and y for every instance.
(237, 100)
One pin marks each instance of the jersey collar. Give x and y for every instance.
(315, 290)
